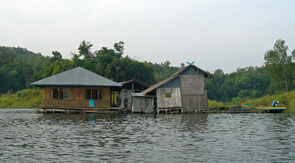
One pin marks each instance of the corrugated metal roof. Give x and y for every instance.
(175, 75)
(76, 77)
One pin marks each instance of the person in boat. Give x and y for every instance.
(275, 103)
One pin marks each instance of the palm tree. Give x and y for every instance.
(84, 49)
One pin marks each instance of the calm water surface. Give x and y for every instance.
(29, 137)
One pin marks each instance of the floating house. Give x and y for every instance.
(130, 87)
(78, 89)
(184, 91)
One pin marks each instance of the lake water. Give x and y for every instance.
(29, 137)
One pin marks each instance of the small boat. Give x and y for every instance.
(268, 109)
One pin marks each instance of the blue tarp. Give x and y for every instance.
(91, 103)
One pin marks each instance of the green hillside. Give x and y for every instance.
(27, 98)
(18, 67)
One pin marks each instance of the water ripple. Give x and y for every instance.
(29, 137)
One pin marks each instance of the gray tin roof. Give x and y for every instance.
(76, 77)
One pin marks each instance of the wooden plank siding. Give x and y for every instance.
(185, 88)
(168, 102)
(126, 99)
(193, 103)
(142, 104)
(193, 93)
(76, 98)
(192, 85)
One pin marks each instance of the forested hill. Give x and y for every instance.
(249, 82)
(17, 68)
(276, 76)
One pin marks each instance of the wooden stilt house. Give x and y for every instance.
(78, 88)
(183, 91)
(129, 87)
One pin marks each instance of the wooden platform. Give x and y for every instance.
(69, 110)
(64, 110)
(169, 110)
(179, 111)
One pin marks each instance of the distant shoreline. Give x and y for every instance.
(32, 99)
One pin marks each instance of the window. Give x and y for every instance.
(65, 93)
(92, 94)
(88, 93)
(55, 94)
(60, 93)
(168, 95)
(100, 94)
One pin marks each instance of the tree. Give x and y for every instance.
(119, 47)
(182, 65)
(56, 56)
(215, 86)
(85, 49)
(279, 65)
(293, 54)
(18, 67)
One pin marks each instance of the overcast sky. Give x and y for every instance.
(216, 34)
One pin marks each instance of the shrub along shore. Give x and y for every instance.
(285, 99)
(26, 98)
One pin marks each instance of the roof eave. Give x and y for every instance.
(134, 80)
(75, 85)
(156, 86)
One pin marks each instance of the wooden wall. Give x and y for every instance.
(187, 92)
(168, 102)
(193, 93)
(76, 98)
(142, 104)
(126, 94)
(192, 71)
(193, 103)
(192, 85)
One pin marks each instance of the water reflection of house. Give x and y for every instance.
(184, 91)
(78, 88)
(130, 87)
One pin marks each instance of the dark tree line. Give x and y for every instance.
(108, 62)
(249, 82)
(19, 67)
(276, 76)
